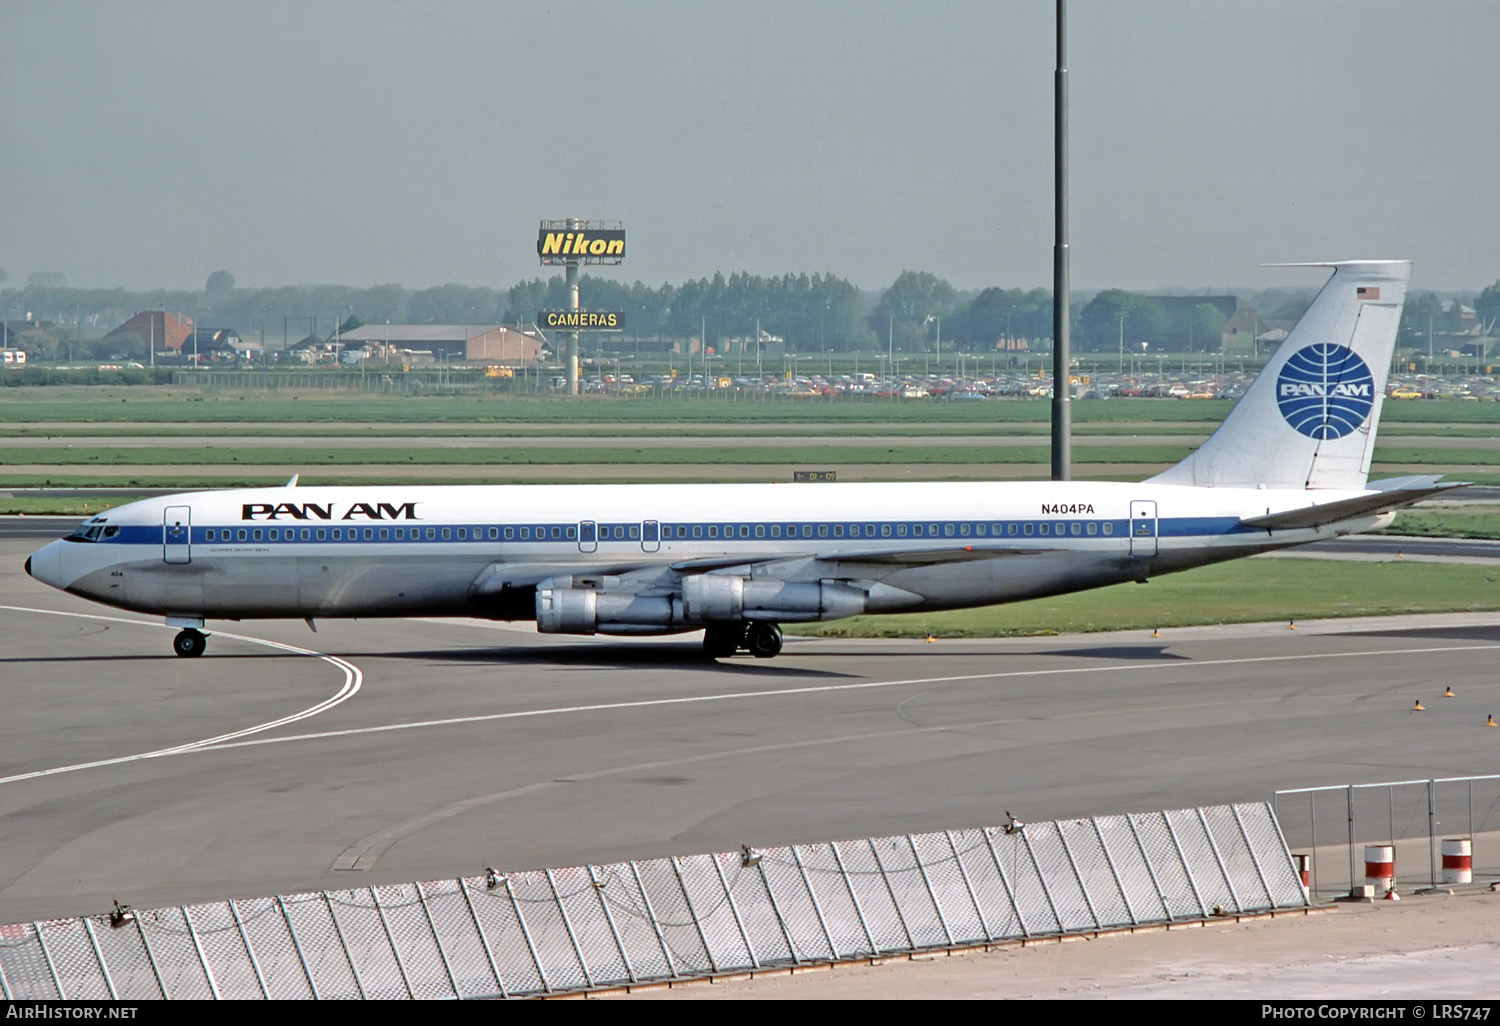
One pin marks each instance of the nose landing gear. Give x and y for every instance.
(189, 643)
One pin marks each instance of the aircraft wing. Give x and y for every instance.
(902, 557)
(1391, 494)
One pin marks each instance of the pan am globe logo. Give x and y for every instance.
(1325, 391)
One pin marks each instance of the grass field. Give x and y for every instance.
(1458, 438)
(1246, 591)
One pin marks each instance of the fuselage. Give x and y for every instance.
(476, 550)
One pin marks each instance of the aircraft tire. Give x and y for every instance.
(189, 643)
(763, 640)
(721, 640)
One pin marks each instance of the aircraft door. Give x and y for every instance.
(1143, 527)
(588, 536)
(177, 534)
(651, 536)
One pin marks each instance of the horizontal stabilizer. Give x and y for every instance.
(1405, 492)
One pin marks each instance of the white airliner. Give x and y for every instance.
(1287, 466)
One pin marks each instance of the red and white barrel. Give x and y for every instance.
(1380, 866)
(1301, 863)
(1458, 860)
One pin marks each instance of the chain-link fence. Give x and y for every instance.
(1415, 819)
(554, 931)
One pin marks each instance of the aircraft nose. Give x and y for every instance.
(45, 565)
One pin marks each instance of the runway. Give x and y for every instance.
(387, 751)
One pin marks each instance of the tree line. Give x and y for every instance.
(811, 312)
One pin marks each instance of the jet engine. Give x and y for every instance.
(573, 605)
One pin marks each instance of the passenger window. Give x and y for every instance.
(571, 533)
(510, 534)
(1109, 528)
(760, 530)
(916, 529)
(838, 530)
(775, 530)
(322, 534)
(1046, 529)
(240, 534)
(385, 535)
(431, 533)
(556, 533)
(744, 530)
(338, 534)
(1075, 529)
(822, 530)
(209, 534)
(697, 531)
(447, 534)
(1010, 529)
(526, 533)
(635, 533)
(807, 530)
(963, 529)
(948, 530)
(369, 534)
(900, 530)
(885, 530)
(1027, 529)
(273, 534)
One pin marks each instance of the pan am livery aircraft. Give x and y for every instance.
(1287, 466)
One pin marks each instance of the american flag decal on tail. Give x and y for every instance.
(1367, 292)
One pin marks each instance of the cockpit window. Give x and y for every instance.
(90, 531)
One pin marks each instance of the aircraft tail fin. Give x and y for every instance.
(1309, 419)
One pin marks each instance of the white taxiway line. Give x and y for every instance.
(353, 679)
(830, 688)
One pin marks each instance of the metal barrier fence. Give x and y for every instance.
(1411, 816)
(554, 931)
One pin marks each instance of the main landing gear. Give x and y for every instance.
(189, 643)
(762, 640)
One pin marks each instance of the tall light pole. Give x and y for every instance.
(1062, 414)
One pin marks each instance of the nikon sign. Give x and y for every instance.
(581, 320)
(581, 245)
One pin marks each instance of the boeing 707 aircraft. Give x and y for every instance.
(1288, 466)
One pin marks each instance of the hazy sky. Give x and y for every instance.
(146, 143)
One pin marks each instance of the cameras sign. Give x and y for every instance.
(581, 320)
